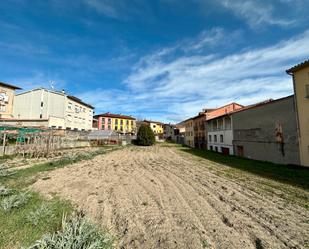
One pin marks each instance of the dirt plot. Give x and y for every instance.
(159, 197)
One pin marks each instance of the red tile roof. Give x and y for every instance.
(298, 67)
(111, 115)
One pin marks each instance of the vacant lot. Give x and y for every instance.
(163, 197)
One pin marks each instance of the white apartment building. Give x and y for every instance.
(55, 110)
(220, 135)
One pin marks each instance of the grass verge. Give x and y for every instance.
(290, 183)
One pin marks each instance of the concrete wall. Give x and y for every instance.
(301, 80)
(267, 132)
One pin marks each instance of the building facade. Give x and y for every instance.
(199, 130)
(189, 132)
(225, 130)
(7, 94)
(267, 132)
(116, 122)
(157, 127)
(300, 75)
(61, 111)
(220, 134)
(169, 132)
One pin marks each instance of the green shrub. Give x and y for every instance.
(44, 212)
(15, 201)
(4, 191)
(77, 232)
(145, 136)
(4, 170)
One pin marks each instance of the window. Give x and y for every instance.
(109, 127)
(109, 121)
(121, 122)
(127, 122)
(41, 116)
(216, 149)
(209, 138)
(41, 103)
(221, 138)
(307, 91)
(211, 148)
(116, 121)
(116, 128)
(132, 122)
(215, 138)
(103, 126)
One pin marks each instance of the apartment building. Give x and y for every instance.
(53, 109)
(115, 122)
(199, 130)
(169, 132)
(220, 134)
(300, 74)
(156, 126)
(217, 112)
(189, 132)
(264, 131)
(7, 93)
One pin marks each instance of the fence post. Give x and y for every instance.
(4, 138)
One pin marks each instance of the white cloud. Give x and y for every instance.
(119, 9)
(181, 86)
(256, 13)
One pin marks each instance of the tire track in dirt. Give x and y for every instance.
(158, 197)
(254, 217)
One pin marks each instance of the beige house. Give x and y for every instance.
(189, 133)
(300, 75)
(7, 93)
(52, 109)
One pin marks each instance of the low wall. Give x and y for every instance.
(11, 149)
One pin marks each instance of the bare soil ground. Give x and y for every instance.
(159, 197)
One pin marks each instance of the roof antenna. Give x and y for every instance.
(51, 82)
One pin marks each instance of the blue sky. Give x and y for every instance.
(157, 59)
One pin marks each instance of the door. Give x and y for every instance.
(225, 151)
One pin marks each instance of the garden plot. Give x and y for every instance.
(159, 197)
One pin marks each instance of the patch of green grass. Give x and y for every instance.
(26, 220)
(16, 231)
(294, 175)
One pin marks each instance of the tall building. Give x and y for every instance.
(7, 93)
(189, 132)
(115, 122)
(300, 74)
(53, 109)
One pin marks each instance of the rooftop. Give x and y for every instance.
(111, 115)
(298, 67)
(265, 102)
(152, 121)
(9, 86)
(61, 93)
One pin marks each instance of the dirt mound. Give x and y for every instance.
(157, 197)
